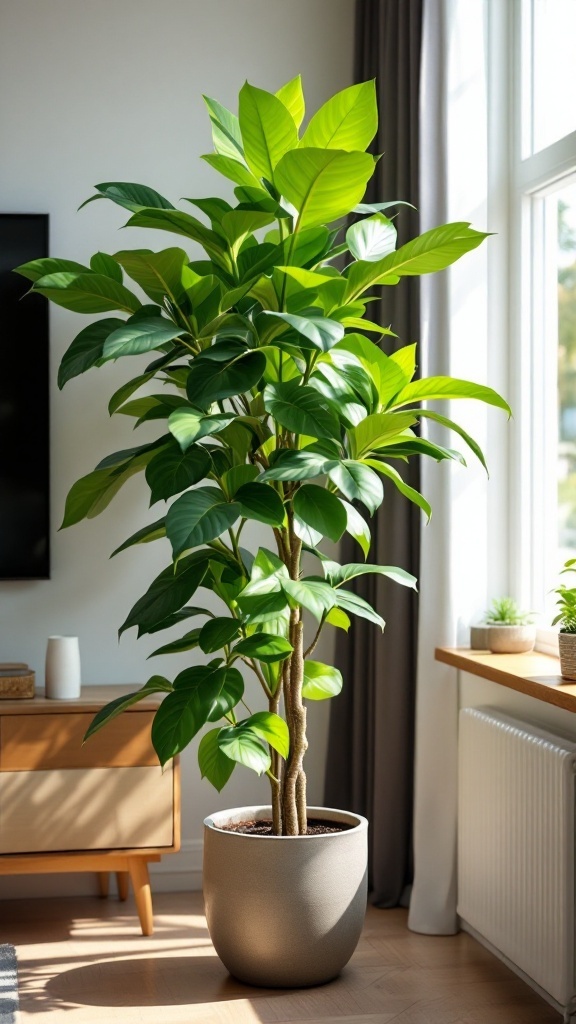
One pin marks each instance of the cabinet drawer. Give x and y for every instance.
(86, 809)
(37, 742)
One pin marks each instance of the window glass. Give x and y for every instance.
(565, 202)
(554, 70)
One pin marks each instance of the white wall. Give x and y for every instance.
(104, 91)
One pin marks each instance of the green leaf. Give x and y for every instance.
(242, 745)
(178, 223)
(322, 332)
(154, 531)
(262, 607)
(199, 516)
(447, 388)
(336, 617)
(167, 594)
(129, 195)
(372, 238)
(266, 647)
(357, 528)
(377, 430)
(158, 273)
(451, 425)
(226, 134)
(173, 471)
(185, 711)
(102, 263)
(231, 169)
(36, 269)
(320, 681)
(358, 606)
(342, 573)
(124, 392)
(230, 693)
(237, 225)
(357, 482)
(236, 477)
(320, 510)
(408, 492)
(86, 293)
(348, 120)
(218, 632)
(138, 336)
(292, 97)
(156, 684)
(209, 383)
(174, 619)
(380, 207)
(188, 425)
(268, 130)
(314, 595)
(184, 643)
(213, 763)
(323, 184)
(432, 251)
(299, 409)
(291, 465)
(261, 502)
(92, 493)
(86, 349)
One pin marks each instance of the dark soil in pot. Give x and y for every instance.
(263, 827)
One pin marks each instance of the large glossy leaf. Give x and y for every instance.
(388, 374)
(36, 269)
(178, 223)
(226, 134)
(175, 618)
(259, 608)
(321, 510)
(323, 184)
(156, 684)
(138, 336)
(102, 263)
(372, 238)
(232, 169)
(86, 349)
(184, 643)
(339, 574)
(245, 746)
(357, 483)
(299, 409)
(158, 273)
(358, 606)
(261, 502)
(173, 471)
(357, 527)
(409, 492)
(264, 647)
(167, 594)
(432, 251)
(217, 632)
(92, 493)
(317, 597)
(129, 195)
(199, 516)
(237, 225)
(230, 693)
(268, 130)
(209, 383)
(322, 332)
(320, 681)
(376, 430)
(183, 713)
(292, 97)
(292, 465)
(451, 425)
(188, 425)
(86, 293)
(447, 388)
(213, 763)
(346, 121)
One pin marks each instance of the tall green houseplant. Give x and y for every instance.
(277, 406)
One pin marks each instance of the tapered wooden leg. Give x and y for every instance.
(138, 868)
(103, 884)
(122, 880)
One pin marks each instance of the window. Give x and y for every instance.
(543, 297)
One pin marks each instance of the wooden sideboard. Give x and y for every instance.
(105, 806)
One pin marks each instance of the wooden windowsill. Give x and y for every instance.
(537, 675)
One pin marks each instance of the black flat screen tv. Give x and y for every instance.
(24, 407)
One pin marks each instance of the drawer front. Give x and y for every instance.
(38, 742)
(98, 809)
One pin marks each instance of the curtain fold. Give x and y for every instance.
(371, 741)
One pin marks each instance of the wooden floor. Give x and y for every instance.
(85, 960)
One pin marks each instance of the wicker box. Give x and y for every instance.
(16, 681)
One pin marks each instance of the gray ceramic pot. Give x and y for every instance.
(511, 639)
(567, 647)
(285, 911)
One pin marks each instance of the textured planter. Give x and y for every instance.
(285, 911)
(567, 647)
(479, 638)
(511, 639)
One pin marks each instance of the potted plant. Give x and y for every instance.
(567, 618)
(510, 630)
(277, 407)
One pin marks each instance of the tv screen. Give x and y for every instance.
(24, 441)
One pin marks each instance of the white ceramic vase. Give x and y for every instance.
(62, 668)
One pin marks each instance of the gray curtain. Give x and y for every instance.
(371, 742)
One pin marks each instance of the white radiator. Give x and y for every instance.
(516, 845)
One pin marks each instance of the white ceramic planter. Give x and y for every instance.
(285, 911)
(511, 639)
(567, 648)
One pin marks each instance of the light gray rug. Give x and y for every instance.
(8, 985)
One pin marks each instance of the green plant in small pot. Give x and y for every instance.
(280, 417)
(510, 630)
(566, 616)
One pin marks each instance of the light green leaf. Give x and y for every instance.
(292, 97)
(237, 225)
(264, 647)
(268, 130)
(358, 606)
(315, 596)
(376, 430)
(342, 573)
(197, 517)
(242, 745)
(323, 184)
(320, 681)
(86, 293)
(179, 223)
(356, 482)
(357, 527)
(322, 332)
(408, 492)
(225, 130)
(213, 763)
(348, 120)
(372, 238)
(430, 388)
(451, 425)
(232, 169)
(291, 465)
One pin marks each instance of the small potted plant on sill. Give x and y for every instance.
(566, 602)
(510, 630)
(278, 408)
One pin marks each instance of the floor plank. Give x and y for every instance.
(87, 957)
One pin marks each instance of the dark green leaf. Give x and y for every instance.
(218, 632)
(148, 533)
(185, 643)
(159, 274)
(299, 409)
(136, 337)
(129, 195)
(208, 383)
(199, 516)
(167, 594)
(213, 763)
(261, 502)
(86, 349)
(36, 269)
(102, 263)
(320, 510)
(156, 684)
(185, 711)
(173, 471)
(264, 647)
(322, 332)
(87, 293)
(230, 694)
